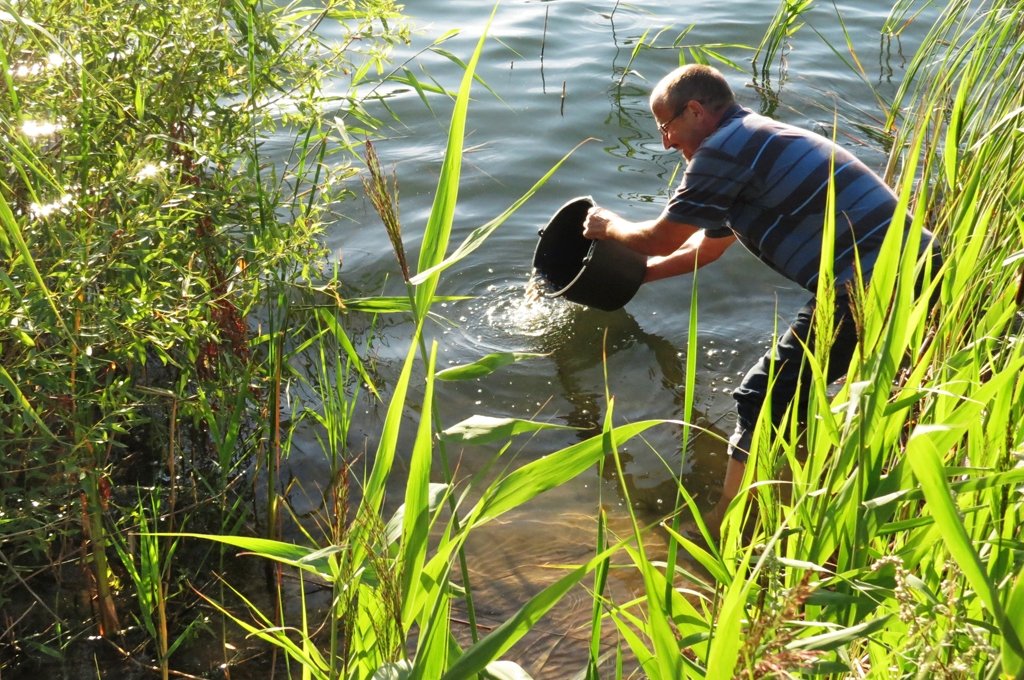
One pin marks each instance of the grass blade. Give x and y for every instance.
(480, 234)
(923, 452)
(507, 634)
(1013, 660)
(485, 365)
(487, 429)
(546, 473)
(442, 213)
(416, 522)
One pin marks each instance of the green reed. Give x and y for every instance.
(147, 560)
(893, 546)
(900, 511)
(770, 54)
(143, 243)
(898, 507)
(891, 549)
(370, 610)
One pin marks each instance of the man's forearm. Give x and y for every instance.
(682, 261)
(643, 237)
(695, 252)
(651, 237)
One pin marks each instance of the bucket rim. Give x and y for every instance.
(585, 198)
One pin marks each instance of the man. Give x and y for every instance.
(764, 183)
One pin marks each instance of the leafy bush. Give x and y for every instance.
(147, 250)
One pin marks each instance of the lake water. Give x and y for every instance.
(561, 72)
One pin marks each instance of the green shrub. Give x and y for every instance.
(147, 250)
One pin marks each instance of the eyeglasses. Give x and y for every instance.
(663, 128)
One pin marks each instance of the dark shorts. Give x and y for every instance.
(791, 377)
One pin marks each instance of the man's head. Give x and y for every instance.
(687, 105)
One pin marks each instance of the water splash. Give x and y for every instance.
(516, 314)
(538, 287)
(532, 311)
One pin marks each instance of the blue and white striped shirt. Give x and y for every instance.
(767, 182)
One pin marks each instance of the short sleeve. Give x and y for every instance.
(706, 195)
(718, 232)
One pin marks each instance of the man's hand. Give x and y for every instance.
(595, 226)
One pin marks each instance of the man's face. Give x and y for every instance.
(683, 129)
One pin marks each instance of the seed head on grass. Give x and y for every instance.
(765, 652)
(385, 202)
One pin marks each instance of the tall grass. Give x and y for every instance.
(771, 52)
(896, 550)
(363, 567)
(143, 241)
(893, 548)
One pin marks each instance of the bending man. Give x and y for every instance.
(764, 183)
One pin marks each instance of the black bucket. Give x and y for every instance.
(603, 274)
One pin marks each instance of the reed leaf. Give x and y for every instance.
(376, 485)
(477, 237)
(434, 645)
(417, 507)
(442, 213)
(392, 305)
(714, 566)
(668, 620)
(727, 638)
(838, 638)
(330, 321)
(14, 235)
(627, 623)
(312, 663)
(546, 473)
(488, 429)
(664, 606)
(309, 559)
(485, 365)
(27, 409)
(600, 584)
(924, 453)
(1013, 660)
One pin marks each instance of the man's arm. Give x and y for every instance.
(697, 251)
(653, 237)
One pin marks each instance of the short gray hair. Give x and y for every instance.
(694, 81)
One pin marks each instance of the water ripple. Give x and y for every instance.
(505, 317)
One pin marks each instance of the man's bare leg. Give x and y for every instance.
(730, 487)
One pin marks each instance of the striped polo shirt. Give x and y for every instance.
(767, 182)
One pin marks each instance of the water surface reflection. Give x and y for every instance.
(587, 351)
